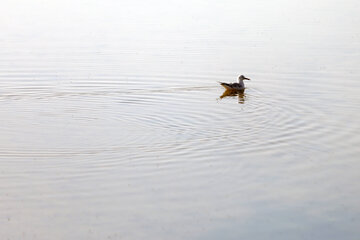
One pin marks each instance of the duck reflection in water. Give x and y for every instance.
(232, 93)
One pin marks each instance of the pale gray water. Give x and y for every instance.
(112, 125)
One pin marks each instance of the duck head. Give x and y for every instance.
(242, 77)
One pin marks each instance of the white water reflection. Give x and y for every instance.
(113, 124)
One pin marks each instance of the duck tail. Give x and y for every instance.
(225, 85)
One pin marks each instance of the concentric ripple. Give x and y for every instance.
(162, 115)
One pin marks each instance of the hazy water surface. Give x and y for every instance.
(113, 125)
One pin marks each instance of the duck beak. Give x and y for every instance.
(247, 78)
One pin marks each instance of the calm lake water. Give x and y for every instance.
(113, 125)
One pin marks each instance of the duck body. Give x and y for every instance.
(240, 86)
(233, 86)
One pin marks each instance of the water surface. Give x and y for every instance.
(113, 124)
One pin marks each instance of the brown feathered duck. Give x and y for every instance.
(240, 86)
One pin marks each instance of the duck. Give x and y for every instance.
(240, 86)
